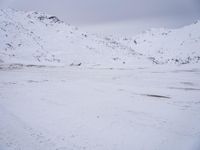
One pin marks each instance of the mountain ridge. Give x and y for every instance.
(41, 39)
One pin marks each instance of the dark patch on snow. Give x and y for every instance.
(187, 83)
(54, 19)
(185, 89)
(156, 96)
(75, 64)
(189, 70)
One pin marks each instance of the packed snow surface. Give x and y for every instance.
(64, 89)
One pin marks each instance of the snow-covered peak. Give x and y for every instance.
(179, 46)
(38, 38)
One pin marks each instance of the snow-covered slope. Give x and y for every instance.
(179, 46)
(38, 38)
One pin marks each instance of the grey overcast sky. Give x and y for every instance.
(100, 11)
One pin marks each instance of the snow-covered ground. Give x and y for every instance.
(65, 89)
(100, 109)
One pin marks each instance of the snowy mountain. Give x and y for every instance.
(179, 46)
(38, 38)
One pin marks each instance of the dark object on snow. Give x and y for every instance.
(41, 17)
(54, 19)
(72, 64)
(135, 42)
(156, 96)
(85, 35)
